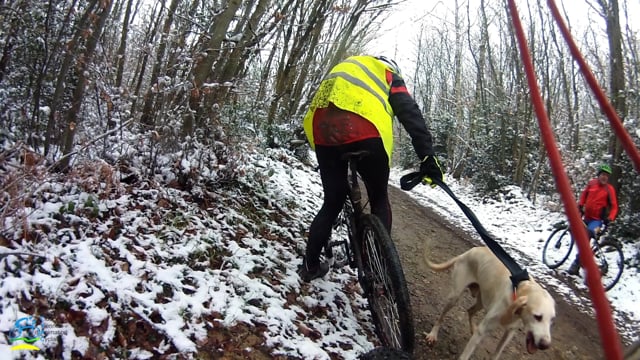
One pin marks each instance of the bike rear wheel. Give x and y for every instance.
(610, 259)
(557, 248)
(385, 286)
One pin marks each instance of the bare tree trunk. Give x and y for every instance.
(480, 100)
(459, 116)
(542, 156)
(617, 81)
(121, 54)
(289, 57)
(9, 38)
(569, 93)
(78, 93)
(203, 68)
(521, 151)
(43, 68)
(231, 65)
(352, 29)
(303, 74)
(520, 102)
(62, 76)
(141, 66)
(148, 117)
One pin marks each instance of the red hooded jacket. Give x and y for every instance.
(599, 201)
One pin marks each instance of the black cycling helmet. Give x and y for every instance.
(604, 168)
(390, 63)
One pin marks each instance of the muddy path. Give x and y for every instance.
(419, 232)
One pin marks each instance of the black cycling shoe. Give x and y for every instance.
(307, 274)
(574, 269)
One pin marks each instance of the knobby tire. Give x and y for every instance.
(557, 248)
(610, 259)
(385, 286)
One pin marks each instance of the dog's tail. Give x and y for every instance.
(442, 266)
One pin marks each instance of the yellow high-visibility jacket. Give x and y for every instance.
(359, 85)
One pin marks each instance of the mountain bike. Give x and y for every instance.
(365, 245)
(606, 250)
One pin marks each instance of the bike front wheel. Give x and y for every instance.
(610, 259)
(385, 286)
(557, 248)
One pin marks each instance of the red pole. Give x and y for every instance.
(608, 332)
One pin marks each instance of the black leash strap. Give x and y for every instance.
(409, 181)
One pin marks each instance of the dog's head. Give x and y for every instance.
(537, 309)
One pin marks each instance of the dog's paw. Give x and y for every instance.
(431, 338)
(474, 327)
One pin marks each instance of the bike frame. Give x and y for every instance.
(355, 198)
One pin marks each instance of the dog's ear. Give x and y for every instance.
(514, 309)
(519, 303)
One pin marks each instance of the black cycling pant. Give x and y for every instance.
(374, 171)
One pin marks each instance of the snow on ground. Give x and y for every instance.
(176, 268)
(182, 269)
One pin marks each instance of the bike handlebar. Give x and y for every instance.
(604, 228)
(410, 180)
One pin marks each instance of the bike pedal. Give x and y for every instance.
(339, 263)
(331, 261)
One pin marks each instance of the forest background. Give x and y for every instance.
(162, 83)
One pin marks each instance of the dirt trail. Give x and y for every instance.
(417, 232)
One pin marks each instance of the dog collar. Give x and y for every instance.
(518, 277)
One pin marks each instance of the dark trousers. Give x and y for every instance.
(592, 225)
(374, 171)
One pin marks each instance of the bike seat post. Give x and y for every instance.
(356, 195)
(354, 190)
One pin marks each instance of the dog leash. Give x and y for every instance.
(518, 274)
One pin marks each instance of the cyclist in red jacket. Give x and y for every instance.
(598, 205)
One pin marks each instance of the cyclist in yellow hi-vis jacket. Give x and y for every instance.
(353, 110)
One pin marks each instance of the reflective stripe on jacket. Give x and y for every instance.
(358, 85)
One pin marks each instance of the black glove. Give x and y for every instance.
(606, 222)
(430, 169)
